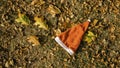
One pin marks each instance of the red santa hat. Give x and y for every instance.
(71, 38)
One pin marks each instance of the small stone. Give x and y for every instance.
(57, 32)
(108, 59)
(112, 29)
(62, 1)
(100, 3)
(112, 65)
(34, 40)
(7, 64)
(65, 59)
(2, 25)
(92, 60)
(11, 62)
(1, 67)
(112, 53)
(53, 10)
(40, 2)
(95, 22)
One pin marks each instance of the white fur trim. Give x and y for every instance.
(70, 51)
(89, 20)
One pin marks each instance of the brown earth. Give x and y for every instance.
(17, 52)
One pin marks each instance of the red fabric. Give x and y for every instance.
(73, 36)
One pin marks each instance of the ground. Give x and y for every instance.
(17, 52)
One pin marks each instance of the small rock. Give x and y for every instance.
(2, 25)
(112, 53)
(11, 62)
(40, 2)
(65, 59)
(109, 59)
(34, 40)
(112, 65)
(112, 28)
(94, 22)
(1, 67)
(53, 10)
(57, 32)
(7, 64)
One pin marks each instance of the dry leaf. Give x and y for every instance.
(34, 40)
(23, 19)
(40, 22)
(40, 2)
(53, 10)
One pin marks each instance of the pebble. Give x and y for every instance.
(65, 59)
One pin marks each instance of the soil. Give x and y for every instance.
(17, 52)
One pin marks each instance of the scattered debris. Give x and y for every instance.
(34, 40)
(23, 19)
(40, 22)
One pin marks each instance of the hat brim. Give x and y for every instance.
(70, 51)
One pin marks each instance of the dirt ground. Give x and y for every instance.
(17, 52)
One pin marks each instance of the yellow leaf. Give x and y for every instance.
(89, 37)
(34, 40)
(40, 22)
(23, 19)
